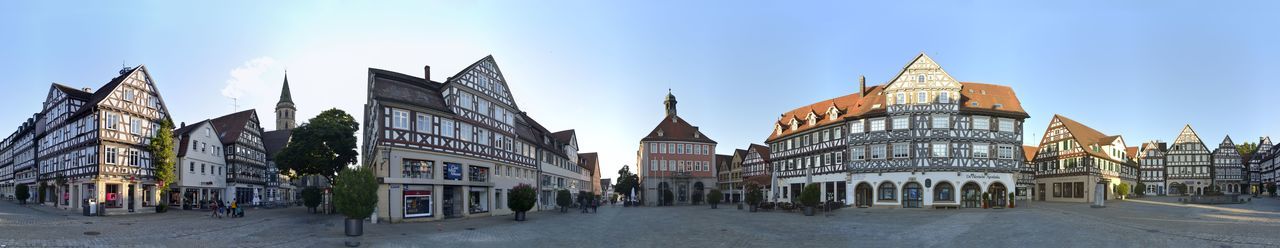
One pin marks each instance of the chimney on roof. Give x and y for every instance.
(862, 84)
(182, 124)
(87, 89)
(426, 72)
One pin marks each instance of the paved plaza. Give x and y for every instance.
(1147, 222)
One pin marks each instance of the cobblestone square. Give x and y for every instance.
(1147, 222)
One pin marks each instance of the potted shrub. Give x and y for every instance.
(754, 196)
(668, 197)
(162, 207)
(714, 198)
(564, 200)
(521, 200)
(809, 198)
(697, 198)
(311, 198)
(1010, 200)
(22, 192)
(355, 196)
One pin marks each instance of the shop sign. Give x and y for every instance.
(977, 176)
(452, 171)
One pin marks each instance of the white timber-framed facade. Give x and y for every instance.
(1228, 168)
(1187, 165)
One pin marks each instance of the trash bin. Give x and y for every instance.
(85, 207)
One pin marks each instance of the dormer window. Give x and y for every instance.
(998, 105)
(812, 120)
(659, 133)
(832, 113)
(973, 103)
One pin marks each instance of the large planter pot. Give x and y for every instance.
(808, 211)
(739, 206)
(520, 216)
(753, 208)
(713, 206)
(354, 227)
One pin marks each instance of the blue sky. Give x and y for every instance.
(1135, 68)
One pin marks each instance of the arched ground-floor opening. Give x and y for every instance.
(971, 195)
(999, 195)
(912, 195)
(862, 195)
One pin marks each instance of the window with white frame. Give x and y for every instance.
(900, 98)
(981, 150)
(939, 149)
(877, 151)
(855, 126)
(944, 97)
(1006, 125)
(901, 150)
(900, 123)
(423, 123)
(653, 147)
(1005, 152)
(446, 128)
(400, 119)
(858, 153)
(941, 121)
(877, 124)
(981, 123)
(922, 97)
(839, 133)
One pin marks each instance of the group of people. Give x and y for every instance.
(231, 209)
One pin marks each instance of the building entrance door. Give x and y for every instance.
(911, 195)
(971, 195)
(450, 199)
(130, 197)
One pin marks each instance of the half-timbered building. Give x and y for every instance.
(241, 137)
(912, 142)
(675, 157)
(1187, 165)
(1026, 185)
(24, 157)
(92, 145)
(6, 167)
(449, 149)
(1228, 167)
(758, 168)
(1254, 166)
(1076, 163)
(729, 175)
(1151, 167)
(1270, 169)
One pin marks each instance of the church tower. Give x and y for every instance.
(284, 109)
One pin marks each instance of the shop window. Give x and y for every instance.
(417, 203)
(887, 192)
(418, 169)
(479, 174)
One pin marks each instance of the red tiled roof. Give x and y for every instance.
(1030, 152)
(674, 128)
(762, 150)
(232, 125)
(588, 160)
(1086, 136)
(563, 136)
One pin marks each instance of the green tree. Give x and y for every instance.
(522, 198)
(714, 197)
(1247, 149)
(564, 199)
(1123, 189)
(163, 157)
(626, 182)
(1141, 189)
(355, 192)
(322, 146)
(22, 192)
(311, 198)
(810, 196)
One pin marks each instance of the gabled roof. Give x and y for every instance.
(564, 137)
(184, 136)
(741, 153)
(760, 149)
(589, 161)
(1086, 136)
(400, 88)
(73, 92)
(106, 90)
(1029, 152)
(231, 126)
(1188, 135)
(722, 158)
(274, 141)
(674, 128)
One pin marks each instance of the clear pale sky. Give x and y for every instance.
(1135, 68)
